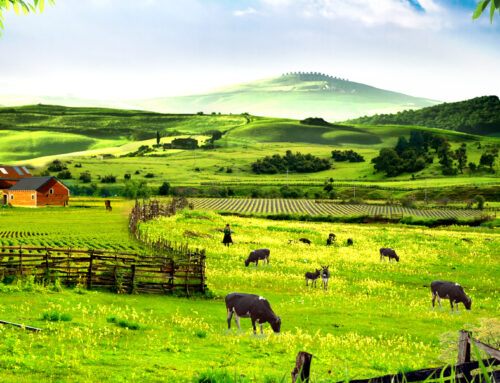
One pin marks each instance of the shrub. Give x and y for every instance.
(55, 316)
(149, 175)
(229, 170)
(164, 189)
(298, 162)
(56, 166)
(64, 175)
(124, 323)
(127, 176)
(109, 179)
(347, 155)
(85, 177)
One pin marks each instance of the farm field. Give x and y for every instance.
(376, 318)
(310, 207)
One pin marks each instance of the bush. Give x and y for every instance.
(347, 155)
(109, 179)
(55, 316)
(137, 189)
(85, 177)
(124, 323)
(127, 176)
(164, 189)
(229, 170)
(64, 175)
(149, 175)
(480, 202)
(57, 166)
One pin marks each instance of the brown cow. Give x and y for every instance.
(107, 203)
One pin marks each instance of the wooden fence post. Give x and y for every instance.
(463, 347)
(89, 274)
(132, 281)
(21, 259)
(464, 352)
(302, 367)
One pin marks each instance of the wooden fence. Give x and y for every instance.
(458, 373)
(115, 271)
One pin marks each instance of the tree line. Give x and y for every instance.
(298, 162)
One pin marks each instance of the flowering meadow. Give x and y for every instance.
(376, 317)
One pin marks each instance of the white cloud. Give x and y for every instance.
(244, 12)
(369, 13)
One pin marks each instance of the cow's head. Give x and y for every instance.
(468, 303)
(397, 258)
(247, 261)
(276, 325)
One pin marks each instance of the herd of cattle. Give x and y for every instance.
(258, 309)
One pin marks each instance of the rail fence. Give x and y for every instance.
(461, 372)
(115, 271)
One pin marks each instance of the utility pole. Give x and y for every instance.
(354, 191)
(287, 177)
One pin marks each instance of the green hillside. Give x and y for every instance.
(28, 132)
(479, 115)
(294, 95)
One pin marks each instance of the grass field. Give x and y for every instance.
(36, 135)
(374, 319)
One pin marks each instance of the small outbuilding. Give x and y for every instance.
(38, 191)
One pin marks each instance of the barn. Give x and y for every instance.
(38, 191)
(19, 188)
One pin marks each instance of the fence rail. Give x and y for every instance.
(120, 272)
(458, 373)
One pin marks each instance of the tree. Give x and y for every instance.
(461, 156)
(389, 162)
(158, 138)
(480, 202)
(402, 145)
(25, 6)
(487, 159)
(137, 189)
(481, 7)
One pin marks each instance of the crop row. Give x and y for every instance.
(309, 207)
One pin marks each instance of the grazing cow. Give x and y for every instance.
(325, 276)
(467, 240)
(305, 240)
(313, 277)
(107, 203)
(449, 290)
(331, 239)
(391, 254)
(256, 255)
(251, 306)
(350, 242)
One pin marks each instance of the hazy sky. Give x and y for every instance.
(123, 49)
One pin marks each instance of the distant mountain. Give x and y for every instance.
(480, 115)
(293, 95)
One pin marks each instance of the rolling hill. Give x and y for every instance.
(480, 115)
(293, 95)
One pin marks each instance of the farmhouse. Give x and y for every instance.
(19, 188)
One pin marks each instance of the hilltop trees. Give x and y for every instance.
(298, 162)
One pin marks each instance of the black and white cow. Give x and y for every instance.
(257, 255)
(390, 253)
(449, 290)
(251, 306)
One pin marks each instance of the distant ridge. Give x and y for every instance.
(480, 115)
(293, 95)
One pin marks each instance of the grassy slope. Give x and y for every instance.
(84, 132)
(375, 318)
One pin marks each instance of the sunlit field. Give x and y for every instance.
(375, 318)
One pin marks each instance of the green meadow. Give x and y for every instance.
(375, 318)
